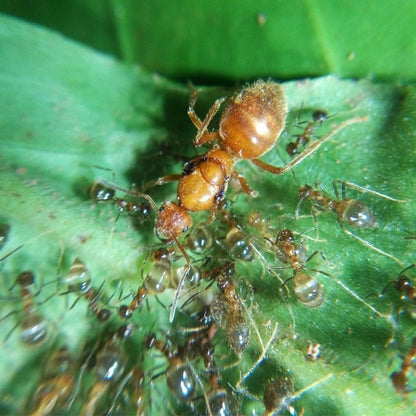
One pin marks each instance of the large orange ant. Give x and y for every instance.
(250, 125)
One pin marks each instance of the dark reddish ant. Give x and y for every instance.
(229, 306)
(78, 280)
(306, 288)
(34, 329)
(318, 117)
(400, 378)
(57, 384)
(110, 364)
(180, 376)
(218, 401)
(278, 395)
(103, 193)
(404, 284)
(351, 211)
(155, 282)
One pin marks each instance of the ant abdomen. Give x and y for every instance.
(34, 329)
(219, 403)
(200, 239)
(180, 376)
(4, 234)
(278, 395)
(238, 333)
(253, 120)
(192, 276)
(307, 290)
(180, 379)
(110, 363)
(355, 213)
(78, 278)
(159, 276)
(238, 245)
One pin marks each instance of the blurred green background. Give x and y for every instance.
(217, 41)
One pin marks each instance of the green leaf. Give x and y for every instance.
(70, 112)
(234, 40)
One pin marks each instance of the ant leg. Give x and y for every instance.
(388, 318)
(181, 281)
(334, 185)
(371, 246)
(314, 254)
(407, 268)
(244, 184)
(364, 189)
(261, 358)
(203, 136)
(311, 149)
(162, 181)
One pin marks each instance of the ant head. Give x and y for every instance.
(172, 221)
(100, 193)
(304, 192)
(284, 236)
(319, 116)
(25, 279)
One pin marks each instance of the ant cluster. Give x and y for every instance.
(211, 314)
